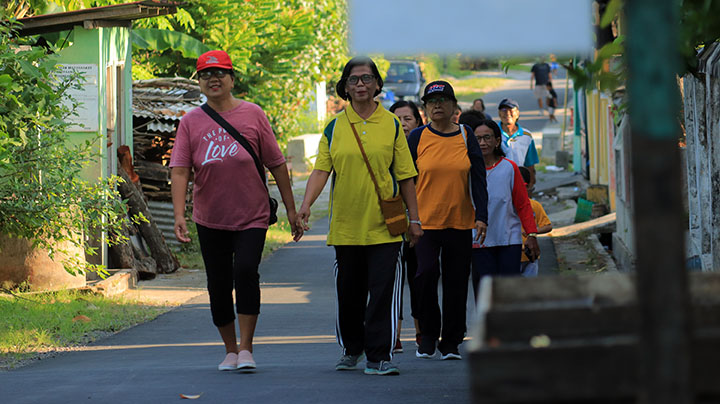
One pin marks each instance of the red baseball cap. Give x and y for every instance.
(214, 58)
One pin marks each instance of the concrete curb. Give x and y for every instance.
(120, 281)
(606, 222)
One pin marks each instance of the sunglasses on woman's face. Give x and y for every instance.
(207, 74)
(366, 78)
(485, 138)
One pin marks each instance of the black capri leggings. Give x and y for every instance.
(231, 260)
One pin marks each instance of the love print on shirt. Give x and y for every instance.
(217, 150)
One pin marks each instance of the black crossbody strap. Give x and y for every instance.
(240, 138)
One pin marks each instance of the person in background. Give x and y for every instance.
(540, 75)
(527, 267)
(552, 102)
(367, 256)
(452, 201)
(508, 208)
(456, 114)
(519, 143)
(479, 105)
(230, 201)
(410, 118)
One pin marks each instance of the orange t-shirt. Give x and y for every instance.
(442, 187)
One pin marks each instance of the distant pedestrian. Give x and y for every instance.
(452, 201)
(479, 105)
(552, 102)
(519, 143)
(456, 114)
(409, 116)
(508, 206)
(530, 268)
(367, 256)
(540, 75)
(230, 200)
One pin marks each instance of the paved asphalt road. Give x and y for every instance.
(518, 88)
(295, 350)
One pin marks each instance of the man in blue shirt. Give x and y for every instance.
(518, 143)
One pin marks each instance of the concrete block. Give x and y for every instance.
(302, 150)
(117, 283)
(550, 141)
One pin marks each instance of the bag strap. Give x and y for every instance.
(240, 138)
(367, 163)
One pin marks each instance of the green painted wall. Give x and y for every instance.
(106, 48)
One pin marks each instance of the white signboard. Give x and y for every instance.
(471, 27)
(87, 113)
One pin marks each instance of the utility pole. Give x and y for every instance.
(662, 281)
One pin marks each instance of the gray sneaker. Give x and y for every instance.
(381, 368)
(349, 362)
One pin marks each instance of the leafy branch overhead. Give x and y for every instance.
(280, 48)
(699, 26)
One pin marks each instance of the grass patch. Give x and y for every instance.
(521, 68)
(42, 322)
(277, 236)
(469, 89)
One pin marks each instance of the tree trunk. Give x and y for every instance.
(166, 262)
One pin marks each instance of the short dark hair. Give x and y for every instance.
(475, 119)
(357, 61)
(413, 108)
(525, 174)
(481, 102)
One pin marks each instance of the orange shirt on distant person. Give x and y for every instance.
(541, 219)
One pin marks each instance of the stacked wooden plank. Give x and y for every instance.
(158, 105)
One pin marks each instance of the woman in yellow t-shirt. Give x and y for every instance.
(366, 254)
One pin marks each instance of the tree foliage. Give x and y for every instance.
(699, 26)
(42, 197)
(279, 48)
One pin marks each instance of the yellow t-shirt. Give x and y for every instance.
(355, 215)
(541, 219)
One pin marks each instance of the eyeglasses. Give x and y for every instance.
(207, 74)
(366, 79)
(486, 138)
(437, 100)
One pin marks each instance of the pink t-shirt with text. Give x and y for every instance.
(228, 192)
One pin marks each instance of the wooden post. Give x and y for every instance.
(665, 333)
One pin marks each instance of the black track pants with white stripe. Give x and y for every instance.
(362, 323)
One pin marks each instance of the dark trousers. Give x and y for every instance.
(364, 324)
(454, 248)
(409, 270)
(495, 261)
(231, 261)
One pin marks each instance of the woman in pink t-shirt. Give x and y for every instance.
(230, 201)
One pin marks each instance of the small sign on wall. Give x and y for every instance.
(86, 119)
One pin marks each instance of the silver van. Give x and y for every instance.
(405, 79)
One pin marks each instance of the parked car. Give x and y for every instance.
(405, 80)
